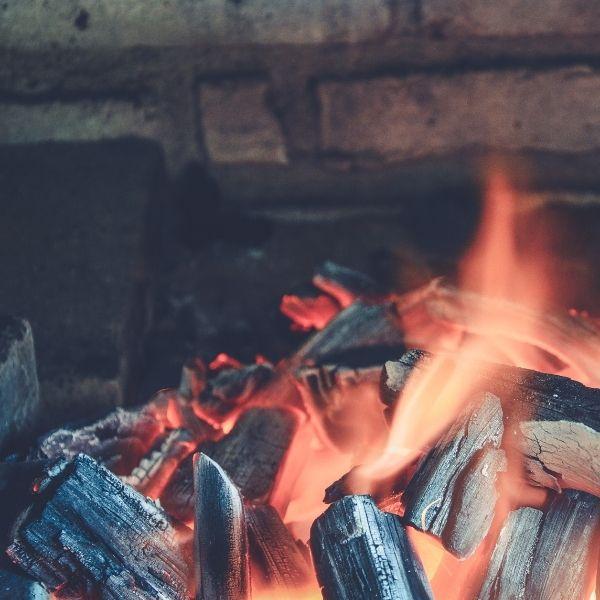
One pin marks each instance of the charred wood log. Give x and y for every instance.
(278, 563)
(221, 542)
(344, 284)
(371, 329)
(557, 422)
(251, 455)
(360, 552)
(545, 555)
(89, 530)
(343, 403)
(453, 492)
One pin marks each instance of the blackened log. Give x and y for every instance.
(546, 555)
(344, 284)
(361, 329)
(88, 530)
(557, 419)
(343, 403)
(278, 563)
(453, 492)
(360, 552)
(231, 388)
(251, 455)
(221, 541)
(155, 470)
(19, 388)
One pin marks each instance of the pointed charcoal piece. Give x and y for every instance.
(512, 556)
(360, 552)
(88, 530)
(566, 549)
(453, 492)
(221, 542)
(557, 419)
(276, 557)
(344, 284)
(361, 328)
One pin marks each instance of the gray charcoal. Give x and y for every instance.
(221, 541)
(17, 586)
(88, 530)
(276, 557)
(19, 388)
(453, 493)
(361, 552)
(343, 283)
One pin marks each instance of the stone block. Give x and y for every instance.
(238, 125)
(424, 115)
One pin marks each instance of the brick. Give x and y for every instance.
(19, 389)
(421, 115)
(115, 23)
(512, 17)
(238, 125)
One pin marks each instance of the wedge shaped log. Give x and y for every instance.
(360, 552)
(90, 531)
(221, 541)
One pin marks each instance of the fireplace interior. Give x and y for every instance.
(299, 300)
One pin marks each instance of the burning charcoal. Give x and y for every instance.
(546, 556)
(221, 542)
(17, 586)
(277, 560)
(251, 454)
(193, 379)
(88, 530)
(231, 388)
(557, 419)
(360, 552)
(453, 493)
(345, 285)
(371, 328)
(344, 403)
(511, 560)
(309, 312)
(154, 471)
(19, 389)
(118, 441)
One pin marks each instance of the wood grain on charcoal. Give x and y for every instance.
(453, 492)
(220, 534)
(556, 420)
(360, 552)
(276, 557)
(89, 530)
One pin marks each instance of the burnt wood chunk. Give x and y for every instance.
(557, 421)
(344, 284)
(251, 455)
(278, 563)
(221, 541)
(19, 388)
(89, 531)
(453, 492)
(343, 403)
(362, 328)
(360, 552)
(546, 555)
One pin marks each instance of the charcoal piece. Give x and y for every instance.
(88, 530)
(453, 492)
(360, 552)
(251, 454)
(220, 534)
(156, 468)
(511, 560)
(546, 555)
(118, 441)
(343, 403)
(19, 389)
(557, 419)
(193, 379)
(344, 284)
(362, 327)
(231, 388)
(278, 563)
(17, 586)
